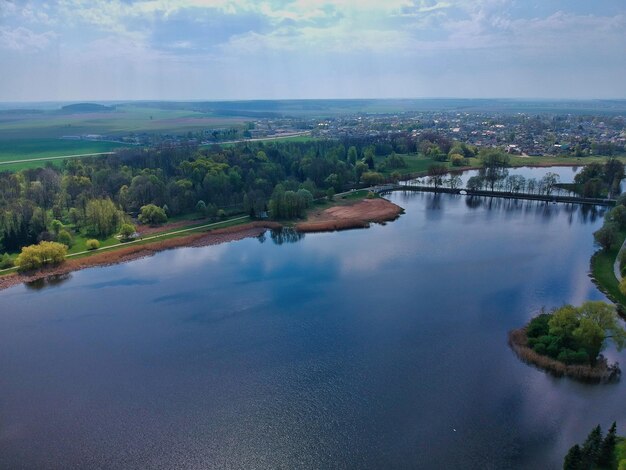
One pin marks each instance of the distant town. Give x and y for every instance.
(517, 133)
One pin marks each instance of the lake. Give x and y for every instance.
(376, 348)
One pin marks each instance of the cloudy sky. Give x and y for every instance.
(245, 49)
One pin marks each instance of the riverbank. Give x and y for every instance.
(349, 215)
(602, 372)
(133, 252)
(342, 216)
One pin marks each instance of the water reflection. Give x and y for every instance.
(377, 348)
(286, 235)
(49, 281)
(435, 203)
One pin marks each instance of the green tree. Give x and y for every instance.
(618, 216)
(56, 226)
(606, 236)
(127, 231)
(37, 256)
(201, 207)
(65, 237)
(591, 447)
(368, 158)
(6, 261)
(352, 155)
(152, 214)
(605, 457)
(574, 459)
(102, 217)
(372, 178)
(436, 173)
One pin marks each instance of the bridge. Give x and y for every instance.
(387, 188)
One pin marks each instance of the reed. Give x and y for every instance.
(601, 372)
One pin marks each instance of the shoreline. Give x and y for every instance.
(131, 253)
(602, 372)
(359, 214)
(354, 214)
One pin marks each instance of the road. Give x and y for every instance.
(39, 159)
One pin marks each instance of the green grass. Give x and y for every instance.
(418, 164)
(125, 119)
(516, 161)
(602, 271)
(80, 243)
(26, 149)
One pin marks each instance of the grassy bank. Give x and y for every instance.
(602, 272)
(111, 244)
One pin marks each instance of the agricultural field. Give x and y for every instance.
(123, 120)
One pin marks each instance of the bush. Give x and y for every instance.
(127, 231)
(221, 214)
(5, 261)
(92, 244)
(65, 237)
(457, 160)
(36, 256)
(153, 215)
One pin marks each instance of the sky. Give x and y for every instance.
(78, 50)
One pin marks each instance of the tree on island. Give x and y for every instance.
(576, 335)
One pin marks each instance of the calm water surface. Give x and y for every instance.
(378, 348)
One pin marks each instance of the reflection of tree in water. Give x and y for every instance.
(49, 281)
(261, 238)
(585, 213)
(286, 235)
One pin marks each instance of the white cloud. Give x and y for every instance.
(24, 40)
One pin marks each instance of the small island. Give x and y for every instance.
(568, 341)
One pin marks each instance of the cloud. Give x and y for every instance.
(24, 40)
(306, 48)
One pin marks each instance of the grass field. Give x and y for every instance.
(602, 270)
(26, 149)
(124, 120)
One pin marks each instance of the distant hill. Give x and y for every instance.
(87, 108)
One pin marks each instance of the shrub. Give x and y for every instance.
(5, 261)
(221, 214)
(127, 231)
(36, 256)
(92, 244)
(457, 160)
(65, 237)
(153, 215)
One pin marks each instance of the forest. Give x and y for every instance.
(94, 197)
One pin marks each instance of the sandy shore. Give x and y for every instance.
(129, 253)
(358, 214)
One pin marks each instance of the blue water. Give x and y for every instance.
(376, 348)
